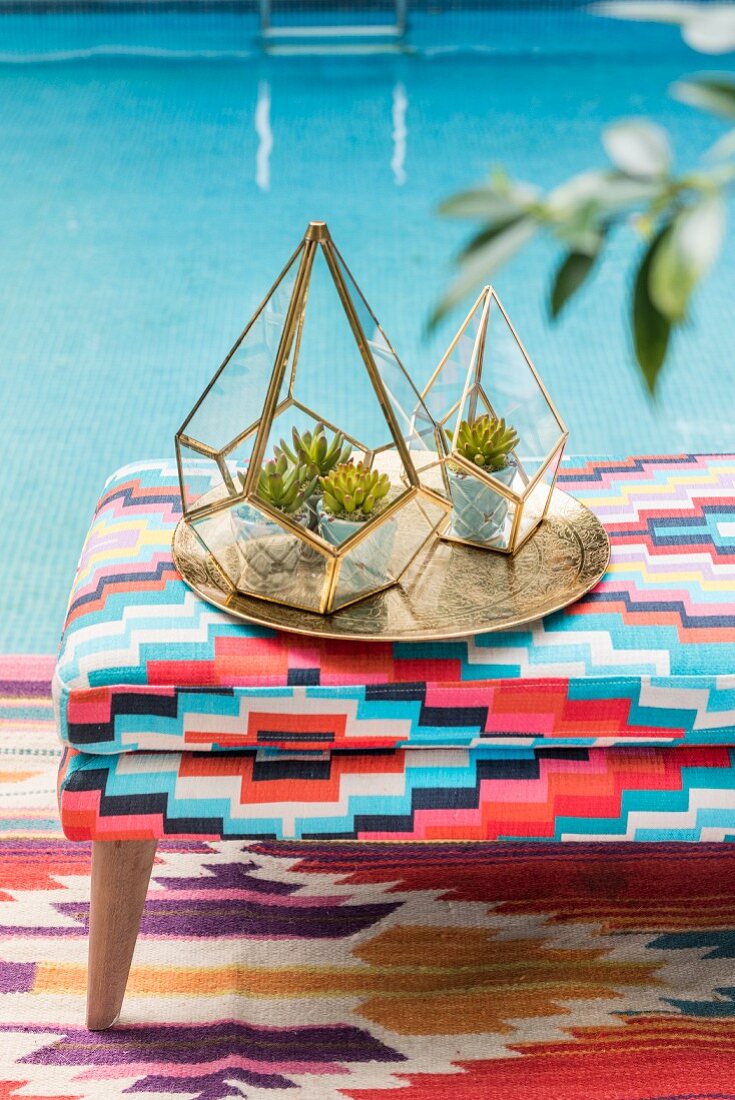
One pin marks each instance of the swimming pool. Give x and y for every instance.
(158, 170)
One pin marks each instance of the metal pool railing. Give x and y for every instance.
(325, 26)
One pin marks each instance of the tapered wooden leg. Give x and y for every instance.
(121, 870)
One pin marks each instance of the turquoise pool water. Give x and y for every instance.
(157, 170)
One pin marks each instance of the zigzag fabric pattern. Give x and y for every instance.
(682, 794)
(645, 659)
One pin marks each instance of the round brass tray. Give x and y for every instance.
(450, 591)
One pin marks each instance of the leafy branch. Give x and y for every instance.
(679, 218)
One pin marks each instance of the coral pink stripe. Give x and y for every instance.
(479, 694)
(531, 724)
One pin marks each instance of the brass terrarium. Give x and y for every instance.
(298, 464)
(504, 436)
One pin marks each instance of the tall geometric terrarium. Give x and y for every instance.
(298, 464)
(505, 436)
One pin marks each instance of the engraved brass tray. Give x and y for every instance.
(450, 591)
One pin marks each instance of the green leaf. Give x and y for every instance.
(485, 235)
(651, 329)
(685, 254)
(710, 93)
(483, 203)
(637, 147)
(582, 231)
(477, 269)
(569, 278)
(290, 455)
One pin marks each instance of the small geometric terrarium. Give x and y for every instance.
(505, 438)
(298, 464)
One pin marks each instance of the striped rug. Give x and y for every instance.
(541, 972)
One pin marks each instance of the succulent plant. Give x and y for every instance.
(285, 485)
(315, 451)
(353, 491)
(485, 441)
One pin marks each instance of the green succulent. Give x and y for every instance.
(315, 451)
(285, 485)
(485, 441)
(353, 491)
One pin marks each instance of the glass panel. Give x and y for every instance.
(331, 376)
(448, 388)
(435, 477)
(215, 533)
(235, 399)
(382, 556)
(390, 463)
(435, 443)
(514, 393)
(332, 386)
(202, 480)
(445, 395)
(238, 459)
(535, 506)
(434, 513)
(413, 421)
(262, 559)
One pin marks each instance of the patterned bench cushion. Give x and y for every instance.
(647, 658)
(487, 793)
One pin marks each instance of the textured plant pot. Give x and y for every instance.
(479, 511)
(366, 568)
(269, 556)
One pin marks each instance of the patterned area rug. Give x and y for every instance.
(381, 972)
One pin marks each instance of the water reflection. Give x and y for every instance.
(263, 128)
(400, 133)
(265, 136)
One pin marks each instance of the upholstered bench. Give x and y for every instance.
(611, 720)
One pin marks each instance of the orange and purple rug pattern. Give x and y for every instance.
(374, 972)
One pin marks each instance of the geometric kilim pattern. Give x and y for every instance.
(646, 659)
(369, 972)
(331, 971)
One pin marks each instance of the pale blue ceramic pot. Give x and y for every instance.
(478, 510)
(269, 556)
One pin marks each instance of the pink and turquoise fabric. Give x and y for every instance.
(612, 719)
(647, 658)
(674, 794)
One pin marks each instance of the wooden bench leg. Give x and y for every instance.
(121, 870)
